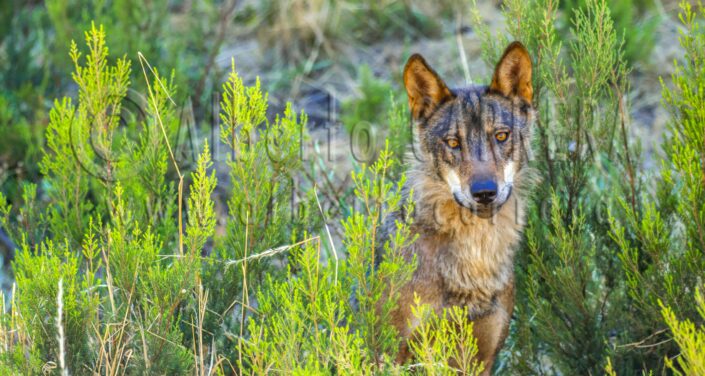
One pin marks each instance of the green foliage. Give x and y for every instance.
(373, 100)
(573, 327)
(45, 281)
(34, 66)
(661, 245)
(310, 307)
(690, 339)
(400, 133)
(361, 116)
(630, 22)
(201, 220)
(146, 294)
(106, 248)
(124, 292)
(439, 339)
(69, 160)
(264, 158)
(379, 197)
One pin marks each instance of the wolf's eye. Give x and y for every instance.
(452, 143)
(501, 136)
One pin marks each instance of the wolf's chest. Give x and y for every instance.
(477, 265)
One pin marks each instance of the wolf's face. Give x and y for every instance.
(474, 139)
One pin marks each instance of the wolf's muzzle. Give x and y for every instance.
(488, 204)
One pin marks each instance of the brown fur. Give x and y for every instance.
(513, 78)
(465, 250)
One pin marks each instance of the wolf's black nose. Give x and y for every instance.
(484, 191)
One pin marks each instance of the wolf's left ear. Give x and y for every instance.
(424, 87)
(512, 76)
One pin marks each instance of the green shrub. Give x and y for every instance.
(567, 295)
(364, 116)
(34, 66)
(441, 336)
(111, 193)
(372, 101)
(54, 306)
(119, 273)
(690, 339)
(631, 22)
(263, 160)
(601, 250)
(314, 305)
(400, 133)
(661, 242)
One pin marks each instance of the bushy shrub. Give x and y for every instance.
(115, 190)
(35, 69)
(373, 100)
(661, 242)
(632, 21)
(690, 339)
(377, 115)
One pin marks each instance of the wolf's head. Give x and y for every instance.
(474, 140)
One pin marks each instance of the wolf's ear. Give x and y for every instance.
(425, 89)
(512, 76)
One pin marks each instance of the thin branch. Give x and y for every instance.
(330, 238)
(144, 61)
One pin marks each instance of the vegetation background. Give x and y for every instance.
(194, 187)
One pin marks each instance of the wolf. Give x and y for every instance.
(469, 185)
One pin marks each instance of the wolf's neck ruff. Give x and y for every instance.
(476, 259)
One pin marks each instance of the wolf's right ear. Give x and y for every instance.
(424, 87)
(512, 76)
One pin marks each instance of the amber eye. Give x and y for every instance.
(452, 143)
(501, 136)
